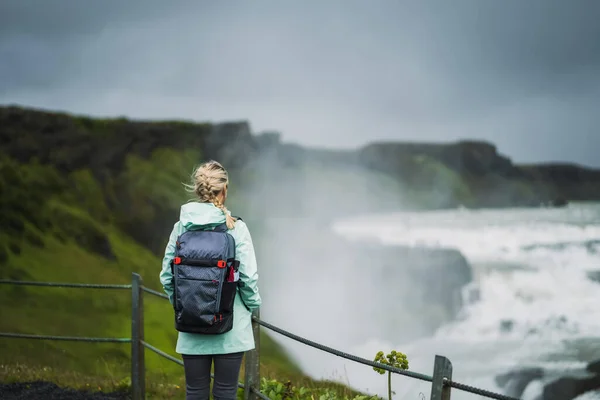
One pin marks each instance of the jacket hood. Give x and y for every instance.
(200, 215)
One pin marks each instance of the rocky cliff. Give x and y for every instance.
(467, 173)
(474, 174)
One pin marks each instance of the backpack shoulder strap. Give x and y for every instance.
(221, 228)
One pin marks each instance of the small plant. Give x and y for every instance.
(394, 359)
(276, 390)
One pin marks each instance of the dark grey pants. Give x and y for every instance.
(197, 376)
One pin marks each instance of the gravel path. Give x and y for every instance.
(50, 391)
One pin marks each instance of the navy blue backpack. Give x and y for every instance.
(206, 277)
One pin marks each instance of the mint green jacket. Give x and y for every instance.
(240, 338)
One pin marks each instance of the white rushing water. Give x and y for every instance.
(535, 299)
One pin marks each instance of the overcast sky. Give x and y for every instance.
(523, 74)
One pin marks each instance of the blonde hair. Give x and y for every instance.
(208, 181)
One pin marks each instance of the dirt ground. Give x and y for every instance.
(50, 391)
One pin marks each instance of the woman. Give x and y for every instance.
(199, 351)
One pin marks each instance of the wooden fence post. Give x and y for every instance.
(252, 363)
(138, 369)
(442, 369)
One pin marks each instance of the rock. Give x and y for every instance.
(594, 367)
(593, 275)
(232, 144)
(425, 284)
(268, 140)
(474, 157)
(593, 246)
(559, 202)
(398, 293)
(569, 387)
(506, 325)
(472, 294)
(562, 173)
(492, 179)
(560, 182)
(444, 272)
(555, 385)
(514, 382)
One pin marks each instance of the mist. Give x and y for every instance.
(326, 287)
(347, 259)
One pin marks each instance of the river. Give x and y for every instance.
(531, 301)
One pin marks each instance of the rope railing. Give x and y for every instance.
(162, 353)
(65, 285)
(64, 338)
(342, 354)
(174, 359)
(155, 293)
(415, 375)
(441, 380)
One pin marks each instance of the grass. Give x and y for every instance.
(93, 312)
(67, 235)
(162, 386)
(61, 257)
(98, 226)
(158, 387)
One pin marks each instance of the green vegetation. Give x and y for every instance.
(58, 228)
(434, 185)
(394, 359)
(165, 387)
(76, 227)
(51, 233)
(277, 390)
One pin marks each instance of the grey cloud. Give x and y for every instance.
(524, 75)
(71, 18)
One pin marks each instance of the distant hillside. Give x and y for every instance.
(467, 173)
(479, 176)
